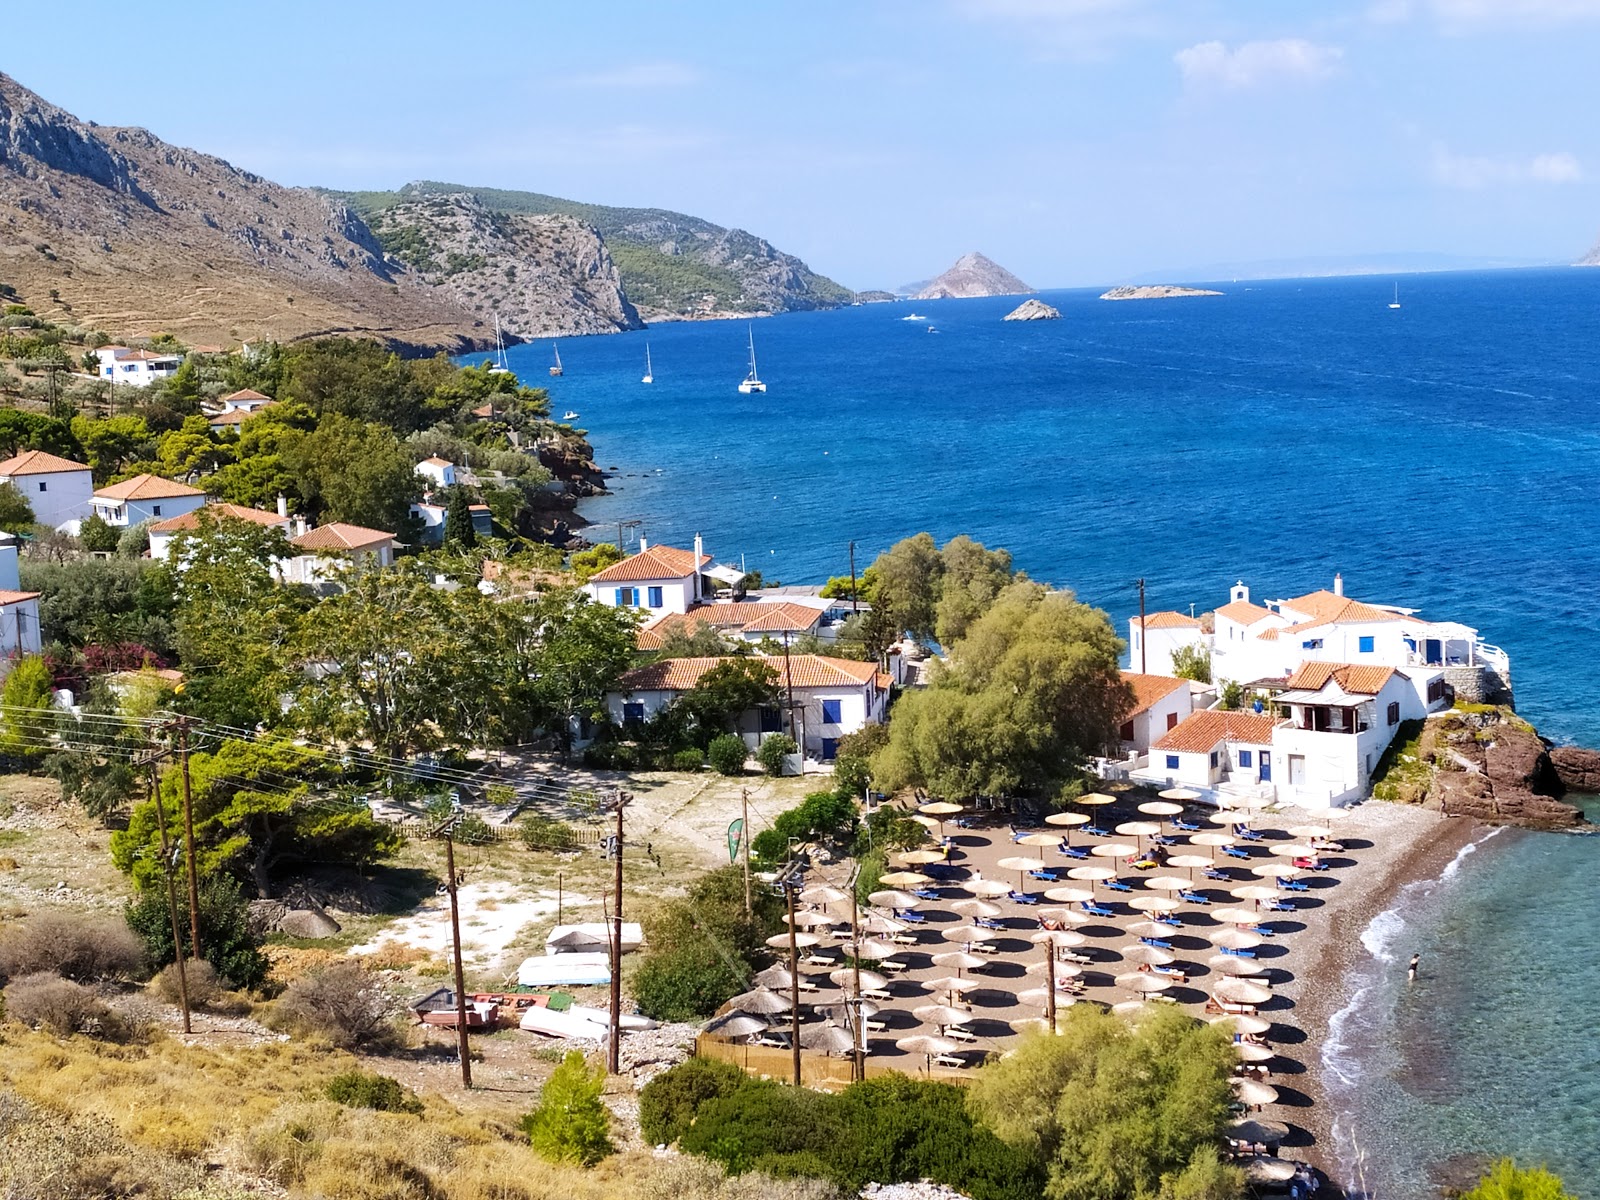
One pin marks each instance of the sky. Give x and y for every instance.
(1076, 142)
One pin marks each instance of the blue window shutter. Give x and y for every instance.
(1364, 645)
(619, 601)
(1172, 762)
(655, 597)
(830, 712)
(1244, 758)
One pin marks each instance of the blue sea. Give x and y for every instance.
(1443, 456)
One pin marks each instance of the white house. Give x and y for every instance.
(58, 489)
(137, 367)
(1160, 703)
(19, 610)
(1152, 644)
(748, 621)
(246, 400)
(327, 551)
(162, 533)
(145, 498)
(441, 471)
(832, 697)
(662, 579)
(1212, 748)
(432, 517)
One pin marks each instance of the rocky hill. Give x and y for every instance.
(1591, 259)
(672, 266)
(542, 273)
(972, 275)
(114, 229)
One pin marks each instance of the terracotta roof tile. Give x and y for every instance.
(806, 670)
(1168, 620)
(219, 512)
(1357, 680)
(1147, 689)
(37, 462)
(1243, 612)
(1325, 608)
(246, 394)
(1202, 731)
(339, 536)
(658, 562)
(147, 487)
(9, 597)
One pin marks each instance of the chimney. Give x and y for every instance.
(1338, 584)
(643, 545)
(283, 505)
(1239, 594)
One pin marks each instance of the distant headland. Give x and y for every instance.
(1157, 291)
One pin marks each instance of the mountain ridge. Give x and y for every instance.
(972, 275)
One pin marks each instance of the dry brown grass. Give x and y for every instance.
(292, 962)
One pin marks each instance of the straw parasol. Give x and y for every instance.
(1151, 929)
(1211, 838)
(1295, 850)
(1021, 864)
(809, 920)
(901, 879)
(941, 1015)
(1161, 808)
(1066, 916)
(878, 923)
(1245, 1023)
(1069, 895)
(1251, 1052)
(1039, 839)
(822, 893)
(1062, 970)
(1153, 956)
(919, 856)
(1179, 794)
(973, 909)
(1095, 799)
(1256, 891)
(1140, 829)
(928, 822)
(927, 1045)
(1310, 831)
(1270, 1170)
(1189, 862)
(876, 951)
(1235, 939)
(1232, 964)
(967, 934)
(841, 1014)
(1068, 818)
(1241, 991)
(761, 1000)
(802, 940)
(939, 808)
(737, 1024)
(1113, 850)
(892, 898)
(952, 984)
(830, 1039)
(1042, 1024)
(1090, 873)
(1236, 916)
(1167, 883)
(845, 977)
(776, 977)
(1275, 870)
(1148, 985)
(1154, 904)
(1228, 816)
(1250, 1129)
(1253, 1093)
(961, 960)
(1329, 816)
(1056, 937)
(1041, 997)
(986, 887)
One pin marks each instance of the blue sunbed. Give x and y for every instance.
(1185, 826)
(1116, 885)
(910, 917)
(1193, 898)
(1293, 885)
(1097, 910)
(1238, 953)
(1278, 906)
(1045, 876)
(1213, 873)
(1235, 852)
(926, 894)
(1157, 942)
(1096, 831)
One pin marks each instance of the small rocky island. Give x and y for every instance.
(1033, 310)
(972, 275)
(1156, 291)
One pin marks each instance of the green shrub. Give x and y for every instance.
(773, 751)
(358, 1089)
(539, 832)
(572, 1123)
(96, 535)
(764, 1123)
(702, 949)
(669, 1102)
(1507, 1181)
(224, 931)
(688, 760)
(473, 831)
(727, 753)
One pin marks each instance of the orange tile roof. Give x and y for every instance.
(147, 487)
(1201, 732)
(1357, 680)
(658, 562)
(805, 671)
(1168, 620)
(1243, 612)
(1325, 608)
(37, 462)
(339, 536)
(1147, 689)
(9, 597)
(885, 681)
(234, 416)
(219, 512)
(246, 394)
(741, 615)
(433, 460)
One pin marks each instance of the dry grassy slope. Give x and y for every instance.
(141, 237)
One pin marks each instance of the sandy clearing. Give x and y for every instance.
(492, 917)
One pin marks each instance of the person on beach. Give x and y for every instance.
(1411, 968)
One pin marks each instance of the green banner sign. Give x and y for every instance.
(735, 833)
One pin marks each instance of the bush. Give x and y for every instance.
(773, 751)
(224, 931)
(358, 1089)
(702, 948)
(96, 536)
(572, 1123)
(539, 832)
(473, 831)
(341, 1004)
(84, 949)
(687, 982)
(669, 1102)
(727, 753)
(206, 990)
(59, 1006)
(134, 540)
(688, 760)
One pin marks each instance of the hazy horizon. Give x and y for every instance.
(1072, 141)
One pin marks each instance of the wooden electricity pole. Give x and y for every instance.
(447, 831)
(858, 1055)
(614, 1051)
(188, 839)
(172, 899)
(744, 830)
(1050, 985)
(1144, 634)
(794, 982)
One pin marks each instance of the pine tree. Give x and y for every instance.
(458, 521)
(572, 1123)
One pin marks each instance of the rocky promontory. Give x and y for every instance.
(1158, 291)
(973, 275)
(1033, 310)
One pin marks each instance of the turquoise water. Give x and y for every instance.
(1443, 457)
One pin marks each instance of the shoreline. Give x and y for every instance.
(1409, 846)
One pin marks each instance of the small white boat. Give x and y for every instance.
(569, 415)
(499, 367)
(555, 367)
(649, 372)
(752, 381)
(931, 329)
(913, 317)
(1395, 303)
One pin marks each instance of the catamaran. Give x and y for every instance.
(752, 382)
(499, 367)
(555, 367)
(649, 374)
(1395, 303)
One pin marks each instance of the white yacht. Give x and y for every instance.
(649, 372)
(1395, 303)
(752, 381)
(499, 367)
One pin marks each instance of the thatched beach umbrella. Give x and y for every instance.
(1039, 839)
(845, 977)
(1093, 874)
(1021, 864)
(809, 920)
(974, 909)
(1254, 1093)
(1235, 939)
(1153, 956)
(1069, 895)
(802, 941)
(1309, 832)
(919, 856)
(1138, 981)
(1270, 1170)
(1152, 929)
(902, 879)
(823, 893)
(1294, 850)
(1245, 1023)
(1114, 850)
(1167, 883)
(1063, 916)
(1275, 870)
(829, 1039)
(1183, 795)
(1232, 964)
(928, 823)
(1154, 904)
(736, 1024)
(959, 961)
(1095, 799)
(1212, 840)
(1252, 1052)
(1256, 891)
(965, 935)
(939, 808)
(1139, 829)
(1229, 816)
(927, 1045)
(878, 923)
(1251, 1129)
(1061, 970)
(952, 985)
(1057, 937)
(1241, 991)
(761, 1000)
(985, 887)
(1067, 818)
(1161, 808)
(941, 1015)
(844, 1014)
(872, 950)
(1236, 916)
(777, 978)
(894, 898)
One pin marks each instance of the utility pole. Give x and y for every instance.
(1050, 985)
(614, 1051)
(855, 602)
(560, 889)
(172, 898)
(1144, 634)
(788, 677)
(858, 1057)
(744, 826)
(448, 830)
(794, 982)
(188, 838)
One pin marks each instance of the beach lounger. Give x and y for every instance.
(1116, 885)
(950, 1060)
(1311, 864)
(1248, 835)
(1184, 825)
(1293, 885)
(1167, 919)
(1156, 942)
(957, 1033)
(876, 993)
(983, 948)
(1024, 898)
(1193, 898)
(903, 938)
(962, 822)
(1097, 910)
(1237, 953)
(1171, 973)
(926, 894)
(988, 923)
(1096, 831)
(892, 965)
(773, 1039)
(1278, 905)
(874, 1026)
(1235, 852)
(1074, 851)
(1162, 839)
(1045, 876)
(909, 916)
(819, 960)
(1214, 873)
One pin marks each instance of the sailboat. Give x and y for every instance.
(555, 367)
(649, 373)
(752, 382)
(499, 367)
(1395, 303)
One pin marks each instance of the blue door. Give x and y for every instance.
(830, 749)
(1433, 652)
(1265, 760)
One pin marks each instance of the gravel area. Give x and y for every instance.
(911, 1191)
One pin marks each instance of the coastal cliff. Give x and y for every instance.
(972, 275)
(1033, 310)
(1157, 291)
